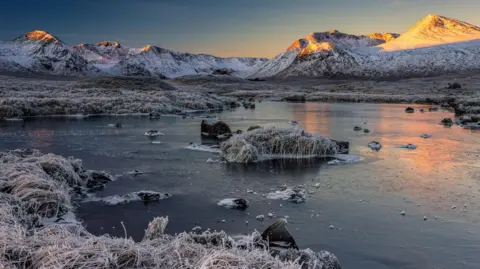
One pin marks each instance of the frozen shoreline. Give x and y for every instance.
(36, 191)
(117, 96)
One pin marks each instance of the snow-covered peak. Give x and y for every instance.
(40, 35)
(109, 44)
(385, 37)
(434, 30)
(320, 41)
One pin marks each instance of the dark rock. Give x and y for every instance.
(294, 98)
(154, 115)
(251, 128)
(239, 132)
(447, 122)
(375, 145)
(118, 125)
(98, 179)
(343, 146)
(409, 110)
(458, 108)
(240, 203)
(356, 128)
(277, 235)
(150, 196)
(217, 129)
(366, 131)
(454, 85)
(433, 109)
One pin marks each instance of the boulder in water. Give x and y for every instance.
(234, 203)
(447, 122)
(366, 131)
(357, 129)
(282, 245)
(409, 110)
(151, 196)
(277, 235)
(98, 179)
(375, 145)
(217, 129)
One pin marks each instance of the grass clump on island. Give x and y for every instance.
(275, 142)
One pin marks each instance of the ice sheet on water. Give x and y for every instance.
(296, 195)
(345, 159)
(205, 148)
(146, 196)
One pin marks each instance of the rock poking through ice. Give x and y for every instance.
(135, 172)
(144, 196)
(153, 133)
(276, 143)
(277, 235)
(295, 195)
(448, 122)
(409, 146)
(234, 203)
(260, 217)
(375, 145)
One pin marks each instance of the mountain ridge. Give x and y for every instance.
(435, 44)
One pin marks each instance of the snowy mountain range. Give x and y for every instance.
(39, 51)
(434, 45)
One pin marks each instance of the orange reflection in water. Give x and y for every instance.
(313, 117)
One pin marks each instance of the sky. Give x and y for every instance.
(255, 28)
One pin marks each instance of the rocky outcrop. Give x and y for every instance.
(218, 129)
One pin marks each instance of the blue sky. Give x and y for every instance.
(221, 27)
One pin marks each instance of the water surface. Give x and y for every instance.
(362, 201)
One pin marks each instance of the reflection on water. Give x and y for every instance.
(362, 200)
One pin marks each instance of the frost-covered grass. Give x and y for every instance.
(274, 142)
(24, 98)
(36, 186)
